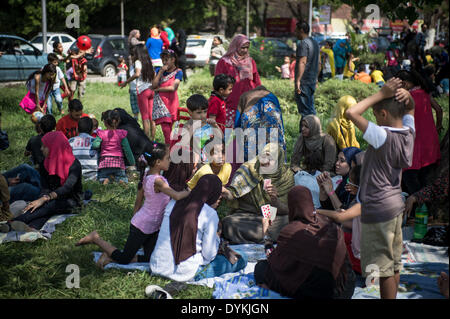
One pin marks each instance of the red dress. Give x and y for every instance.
(241, 86)
(426, 143)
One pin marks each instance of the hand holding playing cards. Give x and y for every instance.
(272, 191)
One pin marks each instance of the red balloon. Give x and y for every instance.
(84, 42)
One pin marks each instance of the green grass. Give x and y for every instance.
(38, 269)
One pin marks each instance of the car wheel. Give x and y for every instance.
(109, 71)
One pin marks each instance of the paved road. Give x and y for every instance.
(90, 78)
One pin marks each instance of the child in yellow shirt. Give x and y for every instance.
(376, 74)
(216, 165)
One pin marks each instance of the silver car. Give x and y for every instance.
(19, 58)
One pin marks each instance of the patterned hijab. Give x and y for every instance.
(249, 178)
(309, 240)
(243, 64)
(60, 156)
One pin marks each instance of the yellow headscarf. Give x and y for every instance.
(341, 128)
(330, 54)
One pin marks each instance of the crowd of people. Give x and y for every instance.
(335, 209)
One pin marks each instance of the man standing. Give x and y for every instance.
(306, 70)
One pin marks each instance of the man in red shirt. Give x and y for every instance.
(69, 124)
(223, 86)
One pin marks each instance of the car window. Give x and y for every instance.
(66, 39)
(37, 40)
(54, 38)
(117, 44)
(195, 43)
(6, 45)
(22, 48)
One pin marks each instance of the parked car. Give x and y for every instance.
(198, 49)
(107, 49)
(19, 58)
(65, 39)
(280, 49)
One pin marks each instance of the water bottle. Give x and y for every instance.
(421, 221)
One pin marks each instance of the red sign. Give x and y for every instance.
(278, 27)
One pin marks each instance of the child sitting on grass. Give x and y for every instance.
(216, 165)
(81, 148)
(361, 75)
(114, 145)
(376, 74)
(46, 124)
(390, 150)
(148, 212)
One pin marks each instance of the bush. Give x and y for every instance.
(265, 60)
(368, 58)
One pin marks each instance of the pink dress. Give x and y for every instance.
(426, 143)
(238, 88)
(170, 99)
(148, 219)
(111, 154)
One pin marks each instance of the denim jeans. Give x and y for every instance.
(56, 93)
(29, 187)
(219, 266)
(118, 173)
(305, 100)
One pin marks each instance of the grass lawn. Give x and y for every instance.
(38, 269)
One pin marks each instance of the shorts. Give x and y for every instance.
(382, 245)
(118, 173)
(134, 102)
(145, 103)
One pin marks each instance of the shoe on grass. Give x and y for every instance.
(156, 292)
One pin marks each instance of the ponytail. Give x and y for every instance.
(157, 151)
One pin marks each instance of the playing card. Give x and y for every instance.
(267, 182)
(265, 209)
(273, 213)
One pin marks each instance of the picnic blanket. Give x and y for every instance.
(45, 232)
(422, 265)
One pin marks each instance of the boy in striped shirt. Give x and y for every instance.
(81, 148)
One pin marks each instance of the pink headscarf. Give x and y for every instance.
(60, 156)
(242, 63)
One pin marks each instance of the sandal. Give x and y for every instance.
(156, 292)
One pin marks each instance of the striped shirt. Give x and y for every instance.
(81, 148)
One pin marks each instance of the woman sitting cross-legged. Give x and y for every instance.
(60, 185)
(310, 260)
(311, 140)
(188, 243)
(264, 180)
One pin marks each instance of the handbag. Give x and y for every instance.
(28, 103)
(159, 108)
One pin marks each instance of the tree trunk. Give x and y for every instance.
(222, 20)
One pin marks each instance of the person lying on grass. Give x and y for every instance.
(148, 213)
(60, 185)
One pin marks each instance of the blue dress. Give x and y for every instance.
(264, 114)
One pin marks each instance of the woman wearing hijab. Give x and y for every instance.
(249, 192)
(238, 64)
(310, 260)
(61, 187)
(341, 128)
(178, 44)
(312, 140)
(259, 108)
(154, 46)
(189, 238)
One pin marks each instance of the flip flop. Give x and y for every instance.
(156, 292)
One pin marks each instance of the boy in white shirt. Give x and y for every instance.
(55, 91)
